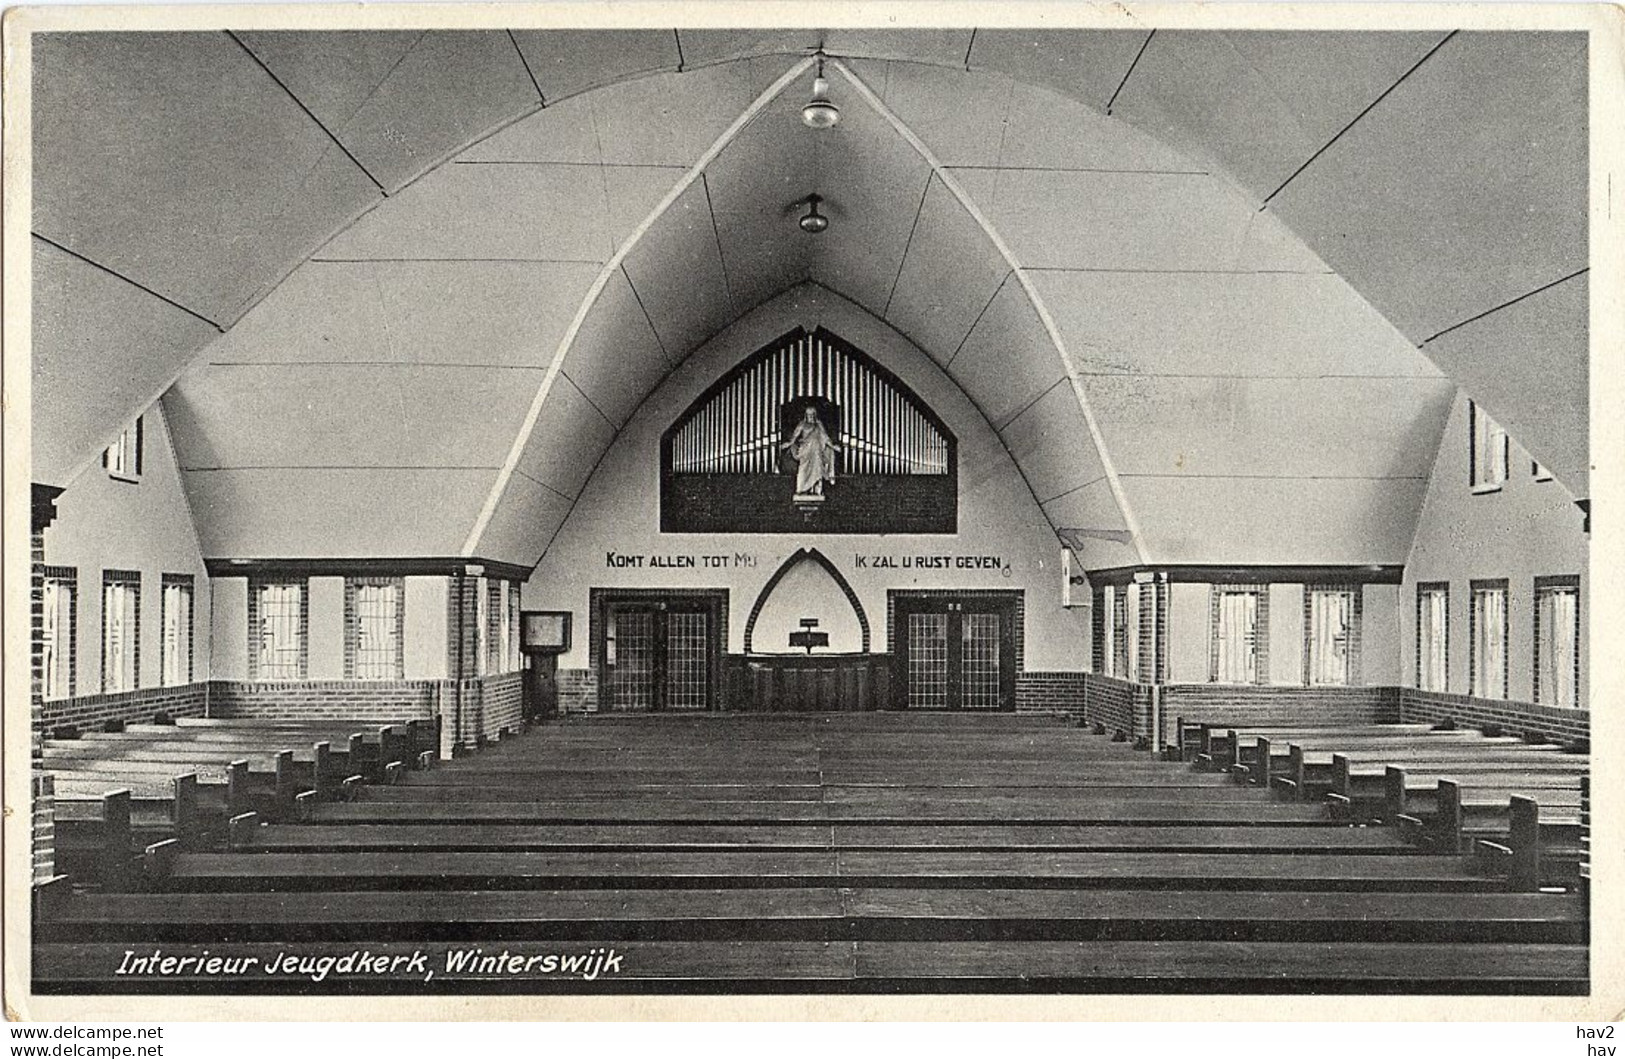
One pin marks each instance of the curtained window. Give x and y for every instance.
(1487, 449)
(1235, 635)
(1331, 623)
(1432, 638)
(177, 641)
(1557, 640)
(121, 616)
(1489, 640)
(56, 661)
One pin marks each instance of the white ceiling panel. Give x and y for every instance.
(523, 523)
(1261, 103)
(335, 513)
(1270, 521)
(753, 184)
(1069, 219)
(345, 415)
(1270, 246)
(969, 132)
(80, 313)
(950, 273)
(450, 89)
(1045, 130)
(683, 242)
(875, 182)
(1211, 324)
(1051, 443)
(567, 61)
(509, 313)
(566, 132)
(483, 213)
(332, 73)
(321, 312)
(943, 47)
(1288, 428)
(671, 119)
(616, 359)
(569, 437)
(633, 192)
(702, 47)
(1085, 64)
(1463, 189)
(1529, 367)
(175, 160)
(1008, 361)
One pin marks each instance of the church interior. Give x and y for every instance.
(812, 510)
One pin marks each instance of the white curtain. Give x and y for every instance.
(376, 621)
(1331, 614)
(58, 626)
(1238, 616)
(118, 636)
(1490, 672)
(177, 654)
(1558, 610)
(279, 632)
(1433, 630)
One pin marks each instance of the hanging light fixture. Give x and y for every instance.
(813, 222)
(820, 113)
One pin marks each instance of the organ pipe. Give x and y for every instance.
(738, 430)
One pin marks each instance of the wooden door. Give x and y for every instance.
(956, 652)
(661, 655)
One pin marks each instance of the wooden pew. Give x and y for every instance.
(1312, 773)
(95, 843)
(1519, 826)
(1268, 754)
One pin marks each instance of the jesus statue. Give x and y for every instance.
(814, 453)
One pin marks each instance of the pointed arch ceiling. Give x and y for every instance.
(1076, 276)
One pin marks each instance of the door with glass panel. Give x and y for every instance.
(956, 652)
(660, 654)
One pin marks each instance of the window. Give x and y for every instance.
(375, 628)
(1332, 626)
(1487, 451)
(1557, 641)
(57, 654)
(1234, 655)
(1487, 640)
(276, 622)
(1433, 637)
(123, 457)
(121, 630)
(1539, 473)
(177, 642)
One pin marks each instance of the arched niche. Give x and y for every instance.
(893, 461)
(807, 585)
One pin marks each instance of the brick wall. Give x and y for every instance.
(1256, 704)
(1040, 692)
(1557, 723)
(502, 704)
(380, 700)
(92, 712)
(44, 833)
(578, 691)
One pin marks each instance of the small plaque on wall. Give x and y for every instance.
(545, 631)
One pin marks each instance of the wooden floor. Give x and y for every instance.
(803, 853)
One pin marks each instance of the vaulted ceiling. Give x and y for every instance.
(1185, 275)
